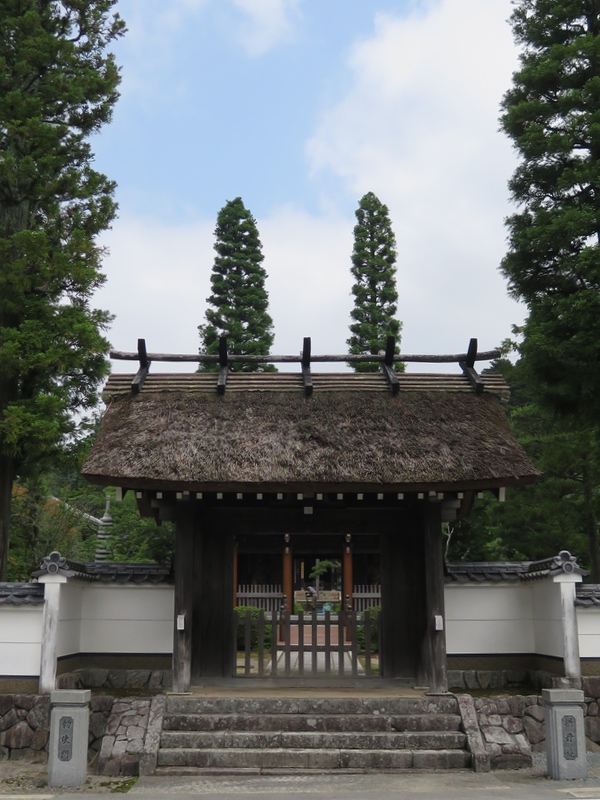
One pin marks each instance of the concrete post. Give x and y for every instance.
(570, 632)
(69, 730)
(50, 631)
(565, 736)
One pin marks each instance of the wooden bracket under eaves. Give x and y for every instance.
(387, 365)
(473, 377)
(306, 376)
(142, 373)
(223, 365)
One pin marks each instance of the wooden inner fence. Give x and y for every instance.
(269, 597)
(279, 644)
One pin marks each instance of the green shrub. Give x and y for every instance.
(373, 615)
(255, 614)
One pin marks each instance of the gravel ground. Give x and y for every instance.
(23, 777)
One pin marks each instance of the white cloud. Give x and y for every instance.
(418, 125)
(266, 23)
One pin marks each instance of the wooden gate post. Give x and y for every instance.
(434, 645)
(184, 572)
(288, 582)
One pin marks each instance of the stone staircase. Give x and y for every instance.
(347, 733)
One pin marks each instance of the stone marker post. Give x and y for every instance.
(69, 727)
(565, 736)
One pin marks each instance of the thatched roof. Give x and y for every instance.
(263, 434)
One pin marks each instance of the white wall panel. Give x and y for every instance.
(588, 623)
(20, 640)
(549, 639)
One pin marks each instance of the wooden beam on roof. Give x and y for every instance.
(222, 381)
(306, 376)
(473, 377)
(387, 365)
(142, 373)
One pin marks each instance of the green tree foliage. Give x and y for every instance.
(374, 272)
(58, 86)
(560, 511)
(551, 113)
(239, 298)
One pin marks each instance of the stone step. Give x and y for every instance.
(312, 722)
(386, 705)
(423, 740)
(324, 759)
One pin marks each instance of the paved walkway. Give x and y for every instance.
(455, 785)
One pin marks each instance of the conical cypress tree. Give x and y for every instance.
(239, 298)
(374, 289)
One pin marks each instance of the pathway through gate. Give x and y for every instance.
(279, 644)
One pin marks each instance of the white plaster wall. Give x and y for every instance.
(489, 618)
(126, 619)
(69, 619)
(547, 613)
(20, 640)
(588, 624)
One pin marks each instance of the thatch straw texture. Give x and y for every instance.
(261, 441)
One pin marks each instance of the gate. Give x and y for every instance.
(272, 644)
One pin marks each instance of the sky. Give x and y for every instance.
(300, 107)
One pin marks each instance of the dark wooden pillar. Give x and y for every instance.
(402, 598)
(434, 640)
(235, 575)
(288, 581)
(347, 580)
(213, 645)
(183, 610)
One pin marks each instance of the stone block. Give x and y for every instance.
(94, 678)
(471, 681)
(516, 677)
(456, 679)
(536, 712)
(503, 706)
(535, 730)
(496, 735)
(484, 678)
(137, 678)
(6, 703)
(69, 680)
(511, 761)
(8, 720)
(591, 686)
(101, 702)
(593, 709)
(130, 766)
(156, 679)
(592, 728)
(516, 705)
(17, 737)
(40, 739)
(97, 724)
(116, 678)
(26, 701)
(512, 724)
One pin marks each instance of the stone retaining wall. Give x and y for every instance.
(24, 726)
(150, 679)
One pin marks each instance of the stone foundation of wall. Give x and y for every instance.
(146, 679)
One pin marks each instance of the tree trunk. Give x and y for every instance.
(6, 484)
(591, 528)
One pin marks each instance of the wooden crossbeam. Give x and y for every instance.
(467, 365)
(306, 376)
(387, 365)
(142, 373)
(222, 381)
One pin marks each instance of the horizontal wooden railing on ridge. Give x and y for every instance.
(386, 359)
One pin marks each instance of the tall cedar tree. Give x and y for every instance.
(57, 88)
(552, 114)
(374, 289)
(239, 298)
